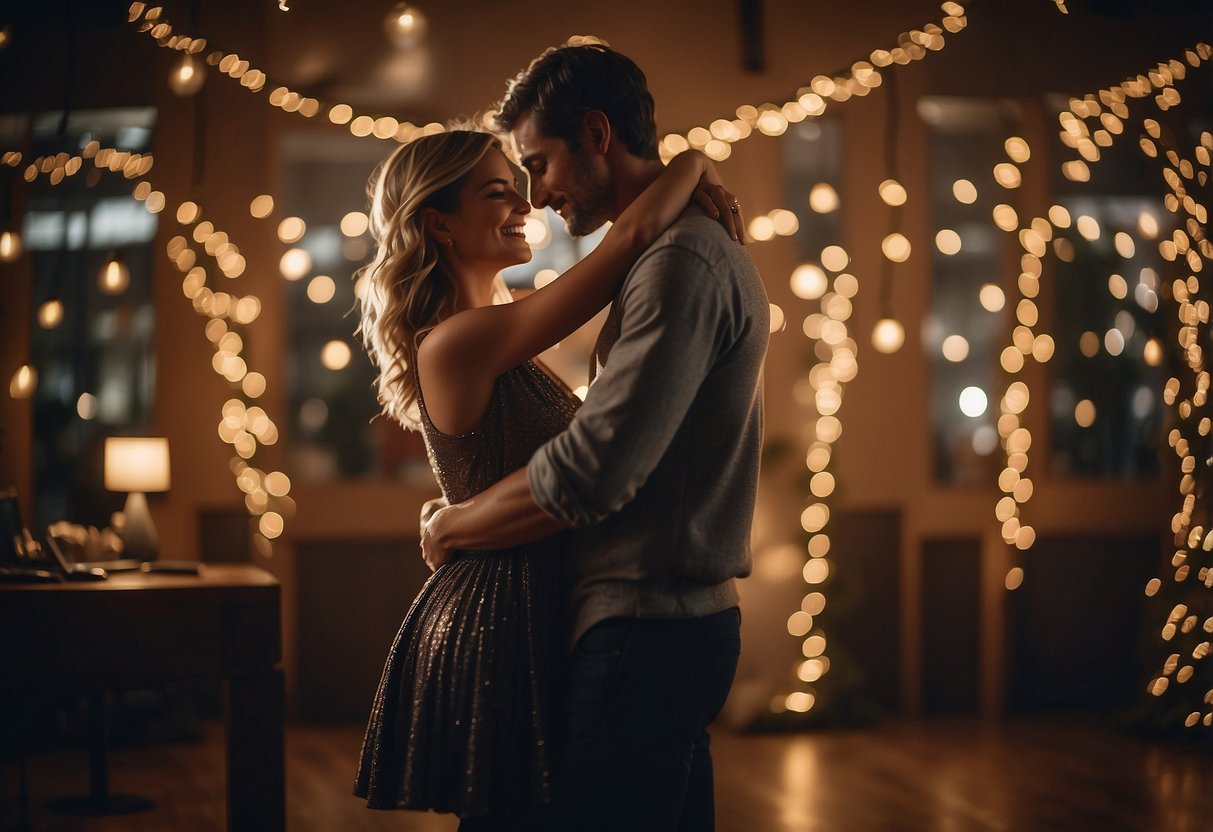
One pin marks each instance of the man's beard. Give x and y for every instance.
(593, 201)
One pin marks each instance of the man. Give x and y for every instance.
(658, 470)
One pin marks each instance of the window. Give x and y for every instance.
(92, 346)
(1105, 406)
(966, 327)
(335, 432)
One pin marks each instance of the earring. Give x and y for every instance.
(450, 241)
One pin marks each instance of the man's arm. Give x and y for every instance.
(501, 516)
(675, 321)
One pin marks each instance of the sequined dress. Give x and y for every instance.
(462, 720)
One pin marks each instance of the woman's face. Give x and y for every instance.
(487, 230)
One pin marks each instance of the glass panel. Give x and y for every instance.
(812, 161)
(1105, 408)
(332, 409)
(96, 360)
(965, 329)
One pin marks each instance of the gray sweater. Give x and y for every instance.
(660, 465)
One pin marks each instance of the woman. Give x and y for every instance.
(462, 718)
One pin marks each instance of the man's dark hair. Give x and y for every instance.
(565, 83)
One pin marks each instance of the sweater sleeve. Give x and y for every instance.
(674, 322)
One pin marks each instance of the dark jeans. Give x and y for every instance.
(641, 694)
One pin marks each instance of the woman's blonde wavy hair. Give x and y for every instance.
(406, 291)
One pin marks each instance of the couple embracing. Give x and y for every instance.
(559, 669)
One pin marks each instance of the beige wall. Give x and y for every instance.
(690, 52)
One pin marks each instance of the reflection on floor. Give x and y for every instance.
(953, 775)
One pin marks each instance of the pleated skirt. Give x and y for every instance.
(462, 720)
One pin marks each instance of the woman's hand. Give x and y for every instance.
(433, 550)
(719, 203)
(428, 509)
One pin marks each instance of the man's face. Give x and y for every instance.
(576, 184)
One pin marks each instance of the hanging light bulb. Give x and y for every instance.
(187, 76)
(405, 25)
(10, 246)
(24, 382)
(888, 335)
(50, 313)
(114, 276)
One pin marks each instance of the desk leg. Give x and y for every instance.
(256, 784)
(100, 801)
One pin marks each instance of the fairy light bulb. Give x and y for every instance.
(335, 355)
(405, 25)
(823, 198)
(24, 382)
(888, 335)
(10, 246)
(187, 76)
(114, 276)
(892, 192)
(809, 281)
(50, 313)
(896, 247)
(295, 263)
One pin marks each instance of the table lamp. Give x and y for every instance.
(137, 465)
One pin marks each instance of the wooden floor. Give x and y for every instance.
(929, 776)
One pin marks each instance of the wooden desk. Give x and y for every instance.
(141, 630)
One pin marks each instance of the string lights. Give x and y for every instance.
(1016, 439)
(834, 288)
(62, 165)
(153, 22)
(836, 366)
(1188, 248)
(1034, 239)
(1183, 631)
(888, 335)
(243, 427)
(246, 426)
(811, 101)
(835, 350)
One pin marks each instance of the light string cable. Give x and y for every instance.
(810, 101)
(1110, 107)
(153, 22)
(1189, 249)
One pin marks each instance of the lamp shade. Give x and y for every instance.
(136, 464)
